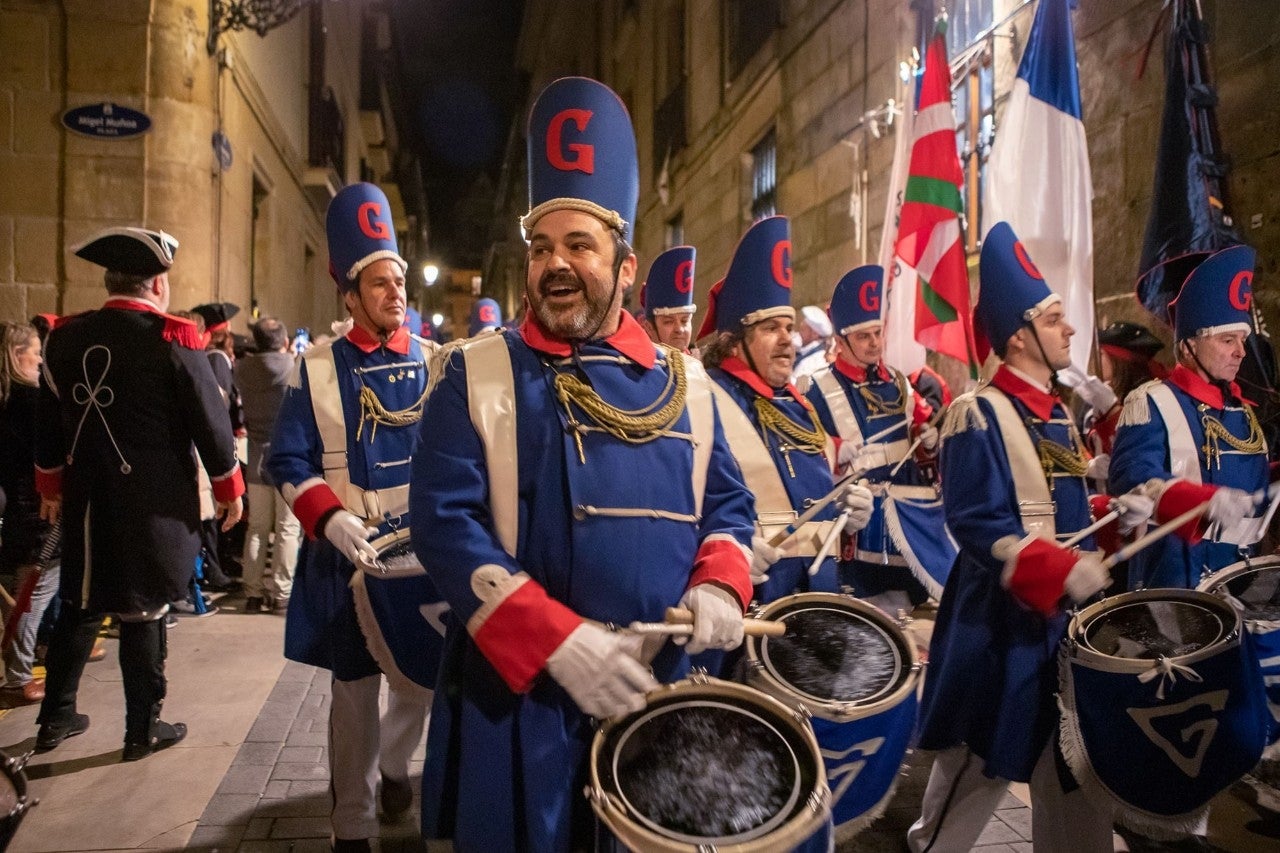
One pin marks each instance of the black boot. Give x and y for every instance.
(163, 735)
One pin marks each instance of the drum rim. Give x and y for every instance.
(829, 709)
(783, 815)
(1081, 651)
(1216, 583)
(807, 817)
(383, 543)
(13, 771)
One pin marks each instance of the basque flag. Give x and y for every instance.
(1038, 177)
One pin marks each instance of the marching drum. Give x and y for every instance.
(709, 764)
(856, 672)
(1253, 588)
(390, 597)
(13, 796)
(910, 530)
(1161, 706)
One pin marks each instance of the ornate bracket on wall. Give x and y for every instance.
(260, 16)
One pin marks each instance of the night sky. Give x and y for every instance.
(457, 62)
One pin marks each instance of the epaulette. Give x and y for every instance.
(182, 331)
(963, 415)
(439, 358)
(1137, 410)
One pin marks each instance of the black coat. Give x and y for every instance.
(24, 532)
(121, 406)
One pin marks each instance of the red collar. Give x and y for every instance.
(739, 369)
(125, 303)
(630, 340)
(1200, 389)
(859, 374)
(367, 343)
(1039, 401)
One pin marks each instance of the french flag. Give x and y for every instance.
(1038, 177)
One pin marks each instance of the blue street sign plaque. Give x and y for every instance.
(106, 121)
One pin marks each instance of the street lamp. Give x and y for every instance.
(430, 272)
(437, 318)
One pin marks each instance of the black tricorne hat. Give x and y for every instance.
(132, 251)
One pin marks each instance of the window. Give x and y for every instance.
(764, 177)
(973, 91)
(669, 135)
(674, 235)
(748, 25)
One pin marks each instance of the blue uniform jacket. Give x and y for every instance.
(1141, 453)
(507, 746)
(993, 671)
(321, 629)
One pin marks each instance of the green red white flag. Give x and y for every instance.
(929, 238)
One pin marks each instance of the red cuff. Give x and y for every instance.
(921, 411)
(1108, 537)
(1040, 575)
(229, 486)
(519, 636)
(1179, 497)
(722, 561)
(49, 482)
(314, 505)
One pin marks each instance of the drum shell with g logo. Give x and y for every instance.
(1253, 588)
(709, 764)
(1161, 707)
(856, 672)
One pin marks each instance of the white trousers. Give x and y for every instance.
(268, 513)
(362, 748)
(1059, 821)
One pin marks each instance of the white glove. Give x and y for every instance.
(1086, 578)
(847, 454)
(928, 436)
(595, 669)
(763, 555)
(717, 619)
(1099, 467)
(1089, 388)
(1135, 509)
(1228, 506)
(351, 537)
(858, 501)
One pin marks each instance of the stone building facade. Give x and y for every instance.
(301, 111)
(715, 85)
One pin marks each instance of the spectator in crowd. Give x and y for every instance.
(262, 378)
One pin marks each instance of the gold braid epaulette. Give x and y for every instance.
(1054, 456)
(1215, 435)
(636, 426)
(774, 420)
(876, 404)
(371, 409)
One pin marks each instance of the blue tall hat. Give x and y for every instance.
(758, 284)
(1013, 291)
(360, 232)
(1217, 295)
(668, 288)
(855, 304)
(582, 155)
(485, 315)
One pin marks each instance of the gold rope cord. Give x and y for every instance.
(1215, 435)
(876, 403)
(1055, 457)
(637, 426)
(371, 409)
(805, 440)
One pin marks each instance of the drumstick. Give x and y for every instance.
(1159, 533)
(906, 456)
(1092, 528)
(814, 508)
(828, 542)
(680, 617)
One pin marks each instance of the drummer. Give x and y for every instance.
(871, 408)
(1196, 435)
(1013, 481)
(573, 474)
(786, 456)
(358, 400)
(667, 297)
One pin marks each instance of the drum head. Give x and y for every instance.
(834, 654)
(399, 557)
(1153, 628)
(1257, 589)
(705, 771)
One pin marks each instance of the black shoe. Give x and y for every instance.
(397, 796)
(225, 585)
(345, 845)
(52, 734)
(252, 604)
(166, 735)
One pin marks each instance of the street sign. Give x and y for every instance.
(222, 150)
(106, 121)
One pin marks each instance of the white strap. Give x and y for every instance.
(702, 423)
(1184, 456)
(761, 475)
(492, 404)
(1035, 504)
(838, 402)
